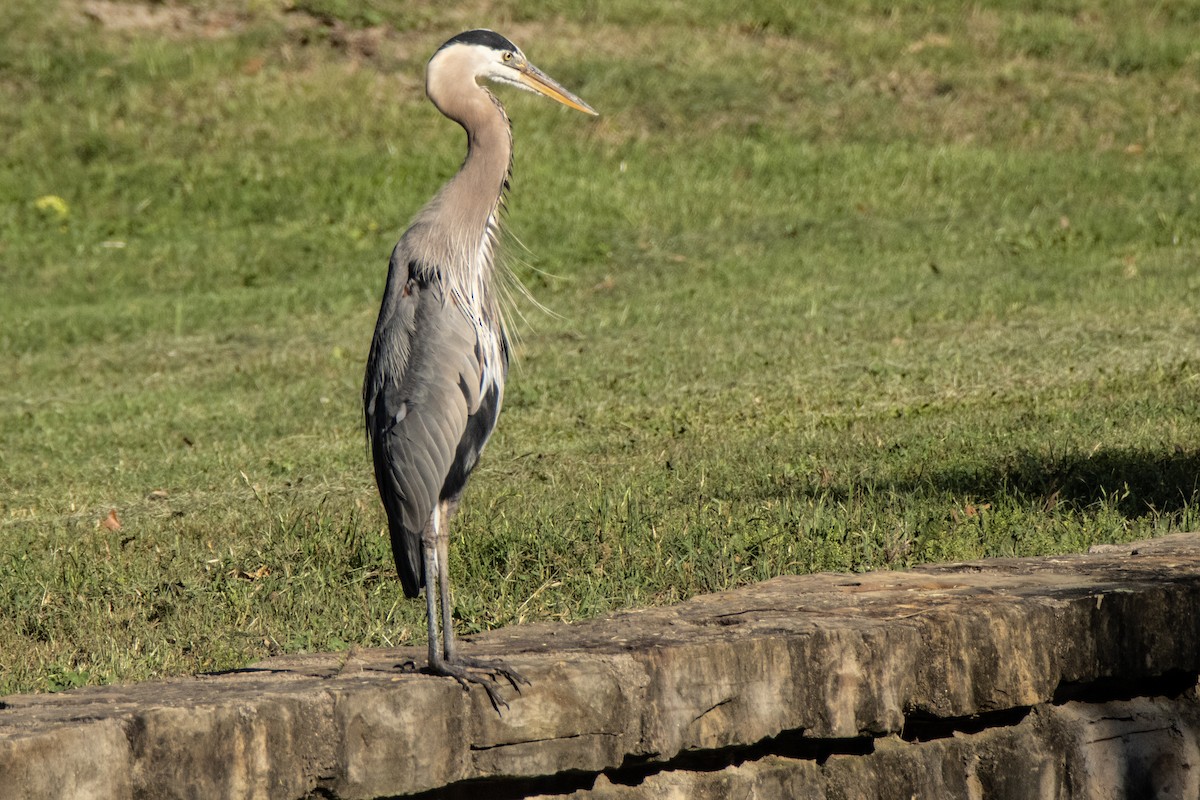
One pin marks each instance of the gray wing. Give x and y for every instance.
(428, 413)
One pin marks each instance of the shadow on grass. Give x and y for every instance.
(1136, 483)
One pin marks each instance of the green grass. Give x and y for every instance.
(835, 288)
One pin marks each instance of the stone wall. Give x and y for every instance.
(1070, 677)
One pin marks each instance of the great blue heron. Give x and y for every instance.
(439, 357)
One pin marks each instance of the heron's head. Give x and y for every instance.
(486, 55)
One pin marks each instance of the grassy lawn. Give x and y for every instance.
(832, 288)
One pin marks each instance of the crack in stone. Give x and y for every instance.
(483, 748)
(711, 708)
(1124, 734)
(635, 770)
(1170, 684)
(743, 612)
(923, 727)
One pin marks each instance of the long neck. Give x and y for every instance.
(477, 191)
(460, 225)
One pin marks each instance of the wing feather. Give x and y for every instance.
(428, 410)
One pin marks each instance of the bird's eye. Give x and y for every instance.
(508, 57)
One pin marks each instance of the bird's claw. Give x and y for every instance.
(486, 674)
(497, 668)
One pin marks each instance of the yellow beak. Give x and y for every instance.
(543, 84)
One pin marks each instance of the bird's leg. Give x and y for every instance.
(430, 556)
(445, 659)
(449, 643)
(493, 668)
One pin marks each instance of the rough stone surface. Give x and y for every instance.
(1146, 748)
(1070, 677)
(97, 761)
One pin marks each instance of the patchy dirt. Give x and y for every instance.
(181, 22)
(160, 18)
(303, 27)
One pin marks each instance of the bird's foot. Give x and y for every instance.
(497, 669)
(487, 674)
